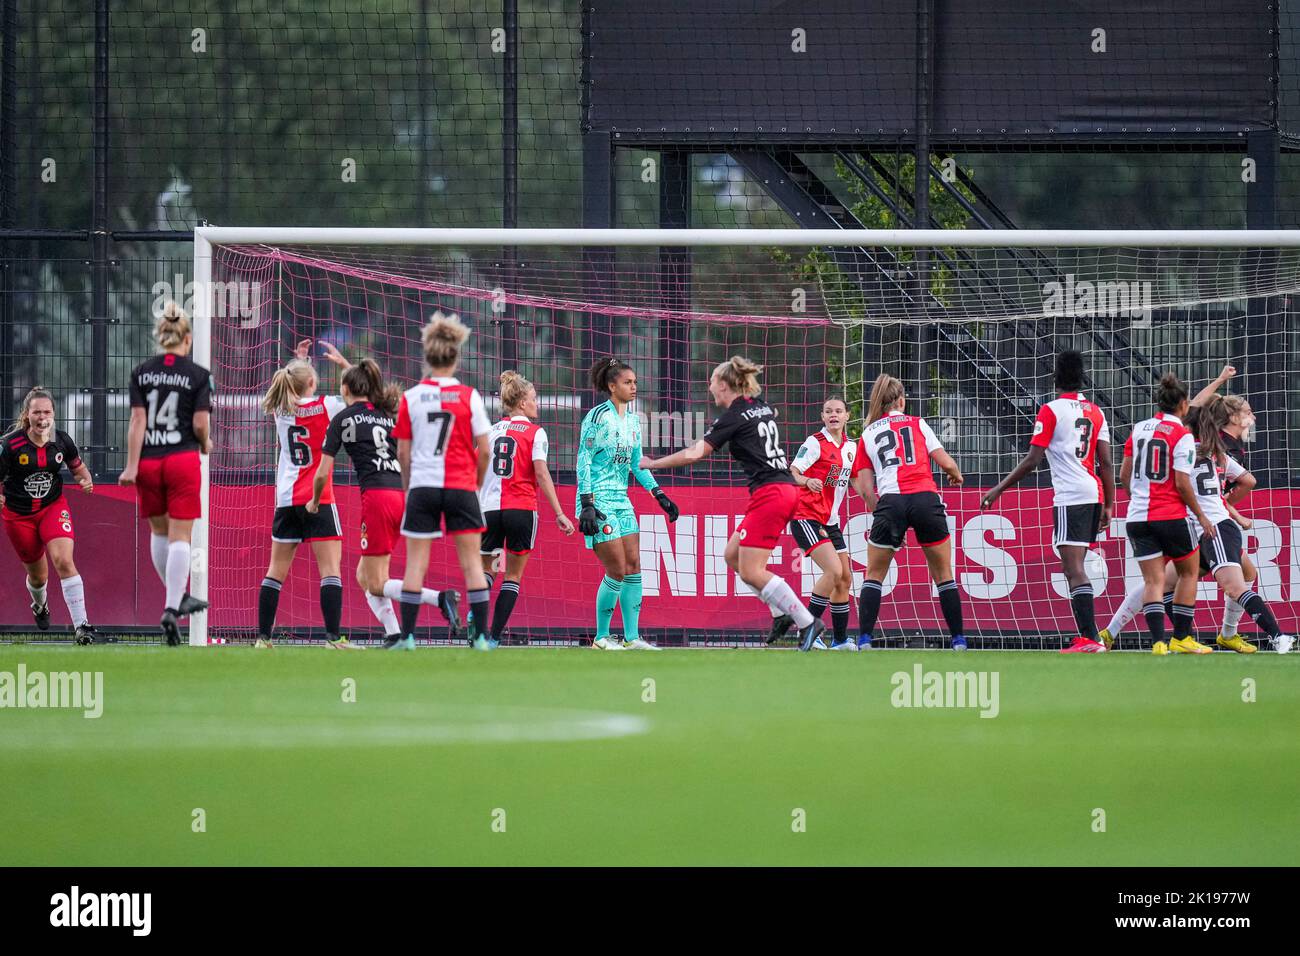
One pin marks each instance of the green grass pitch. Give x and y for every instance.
(553, 756)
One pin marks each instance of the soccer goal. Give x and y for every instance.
(970, 321)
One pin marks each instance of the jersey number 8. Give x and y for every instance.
(503, 456)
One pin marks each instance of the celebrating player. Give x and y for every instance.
(821, 468)
(1071, 432)
(301, 419)
(1221, 555)
(35, 513)
(1159, 458)
(170, 419)
(748, 425)
(519, 448)
(609, 446)
(364, 429)
(442, 444)
(892, 473)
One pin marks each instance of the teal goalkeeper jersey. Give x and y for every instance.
(609, 447)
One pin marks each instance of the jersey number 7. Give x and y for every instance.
(441, 421)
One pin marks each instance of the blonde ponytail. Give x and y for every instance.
(741, 376)
(287, 386)
(171, 327)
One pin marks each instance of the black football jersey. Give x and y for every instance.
(366, 434)
(749, 427)
(1236, 448)
(33, 474)
(171, 389)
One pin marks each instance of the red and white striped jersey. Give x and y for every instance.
(1069, 428)
(897, 447)
(440, 417)
(1159, 447)
(301, 436)
(514, 444)
(820, 457)
(1209, 481)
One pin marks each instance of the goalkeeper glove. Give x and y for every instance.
(667, 504)
(590, 516)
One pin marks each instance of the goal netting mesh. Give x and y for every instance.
(971, 330)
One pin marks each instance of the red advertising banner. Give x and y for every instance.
(1004, 565)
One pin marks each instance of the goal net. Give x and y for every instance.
(969, 320)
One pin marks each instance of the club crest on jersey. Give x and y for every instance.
(1038, 428)
(64, 515)
(67, 526)
(24, 458)
(58, 457)
(39, 484)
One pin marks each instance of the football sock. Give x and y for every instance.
(1260, 613)
(869, 606)
(382, 609)
(1168, 601)
(777, 593)
(629, 604)
(393, 591)
(178, 572)
(410, 605)
(268, 599)
(950, 602)
(74, 595)
(480, 605)
(606, 597)
(506, 599)
(840, 621)
(1081, 603)
(1182, 615)
(1232, 612)
(40, 595)
(817, 606)
(1155, 615)
(331, 602)
(1127, 610)
(158, 551)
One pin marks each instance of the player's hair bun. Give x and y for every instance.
(741, 375)
(605, 371)
(172, 326)
(1170, 393)
(442, 339)
(514, 388)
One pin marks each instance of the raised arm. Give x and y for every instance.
(687, 456)
(1207, 393)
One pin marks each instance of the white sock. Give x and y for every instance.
(40, 595)
(393, 591)
(1232, 612)
(777, 594)
(382, 608)
(776, 611)
(74, 596)
(158, 551)
(178, 572)
(1127, 610)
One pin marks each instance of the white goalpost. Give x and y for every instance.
(969, 319)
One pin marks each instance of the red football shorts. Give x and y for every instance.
(381, 519)
(30, 533)
(770, 509)
(170, 486)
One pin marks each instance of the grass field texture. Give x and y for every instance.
(557, 756)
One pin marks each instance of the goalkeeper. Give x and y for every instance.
(609, 447)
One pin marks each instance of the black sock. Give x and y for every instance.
(410, 607)
(817, 606)
(1085, 617)
(1168, 600)
(506, 599)
(331, 603)
(491, 578)
(868, 607)
(1260, 613)
(480, 603)
(268, 599)
(1183, 620)
(1155, 615)
(950, 602)
(840, 621)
